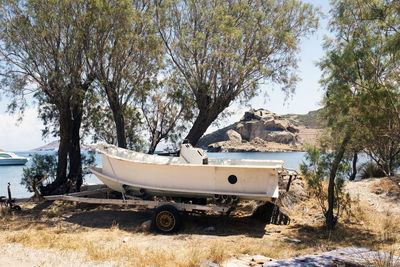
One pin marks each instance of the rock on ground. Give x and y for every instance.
(246, 260)
(341, 257)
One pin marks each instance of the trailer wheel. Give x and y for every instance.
(166, 219)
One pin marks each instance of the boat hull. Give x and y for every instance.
(138, 174)
(4, 162)
(148, 190)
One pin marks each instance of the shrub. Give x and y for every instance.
(370, 169)
(40, 166)
(47, 165)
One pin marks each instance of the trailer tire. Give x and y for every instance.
(166, 219)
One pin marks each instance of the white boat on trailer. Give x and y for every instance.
(191, 175)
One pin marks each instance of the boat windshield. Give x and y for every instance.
(3, 155)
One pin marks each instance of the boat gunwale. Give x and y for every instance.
(99, 171)
(13, 155)
(281, 162)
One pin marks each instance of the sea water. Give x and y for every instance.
(13, 174)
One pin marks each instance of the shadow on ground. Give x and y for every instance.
(202, 224)
(52, 214)
(125, 219)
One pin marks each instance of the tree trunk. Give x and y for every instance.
(391, 159)
(330, 218)
(118, 115)
(120, 126)
(62, 161)
(201, 124)
(154, 142)
(75, 158)
(354, 172)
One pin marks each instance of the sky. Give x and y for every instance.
(26, 135)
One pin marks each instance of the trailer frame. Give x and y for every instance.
(166, 217)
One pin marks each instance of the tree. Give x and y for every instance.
(360, 69)
(362, 57)
(165, 109)
(224, 50)
(126, 55)
(42, 46)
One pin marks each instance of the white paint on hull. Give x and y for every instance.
(8, 158)
(256, 179)
(13, 161)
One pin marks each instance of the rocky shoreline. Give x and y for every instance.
(253, 146)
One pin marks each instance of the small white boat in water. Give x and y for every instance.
(191, 175)
(8, 158)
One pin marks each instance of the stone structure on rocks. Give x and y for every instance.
(257, 131)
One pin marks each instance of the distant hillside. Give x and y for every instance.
(215, 136)
(309, 120)
(48, 147)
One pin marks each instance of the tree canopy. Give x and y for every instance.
(114, 65)
(127, 54)
(361, 82)
(361, 75)
(42, 46)
(223, 50)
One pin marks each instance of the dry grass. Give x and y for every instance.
(42, 230)
(360, 226)
(104, 233)
(109, 244)
(388, 187)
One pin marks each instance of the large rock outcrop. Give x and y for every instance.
(258, 130)
(268, 126)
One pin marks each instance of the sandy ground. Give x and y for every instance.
(114, 228)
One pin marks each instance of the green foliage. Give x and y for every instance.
(244, 141)
(75, 56)
(361, 78)
(126, 58)
(88, 160)
(223, 50)
(316, 169)
(43, 45)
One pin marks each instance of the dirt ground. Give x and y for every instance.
(62, 233)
